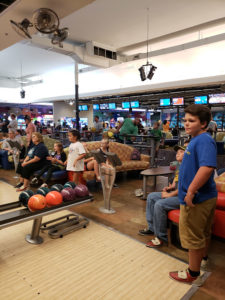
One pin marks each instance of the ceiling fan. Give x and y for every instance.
(46, 21)
(22, 28)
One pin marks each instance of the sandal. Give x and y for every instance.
(22, 189)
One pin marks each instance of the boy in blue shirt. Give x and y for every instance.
(197, 192)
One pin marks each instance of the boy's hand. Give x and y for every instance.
(189, 198)
(65, 163)
(165, 195)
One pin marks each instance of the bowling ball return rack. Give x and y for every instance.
(23, 215)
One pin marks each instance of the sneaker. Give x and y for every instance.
(138, 193)
(44, 185)
(155, 243)
(34, 180)
(185, 277)
(18, 185)
(205, 264)
(145, 232)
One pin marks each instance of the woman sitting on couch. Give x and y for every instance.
(34, 161)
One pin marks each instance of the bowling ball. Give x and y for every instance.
(43, 191)
(68, 194)
(36, 202)
(57, 187)
(70, 184)
(53, 198)
(81, 190)
(25, 196)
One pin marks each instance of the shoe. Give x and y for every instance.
(44, 185)
(185, 277)
(145, 232)
(155, 243)
(34, 180)
(138, 193)
(22, 189)
(205, 264)
(18, 185)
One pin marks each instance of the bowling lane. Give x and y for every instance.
(7, 193)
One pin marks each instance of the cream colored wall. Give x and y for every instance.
(62, 109)
(88, 114)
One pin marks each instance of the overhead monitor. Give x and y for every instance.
(125, 104)
(112, 105)
(216, 98)
(134, 104)
(84, 107)
(96, 106)
(104, 106)
(201, 99)
(80, 107)
(178, 101)
(165, 102)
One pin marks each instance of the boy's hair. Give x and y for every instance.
(200, 111)
(75, 133)
(60, 146)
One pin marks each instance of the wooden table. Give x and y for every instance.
(160, 171)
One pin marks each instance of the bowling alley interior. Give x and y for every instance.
(112, 144)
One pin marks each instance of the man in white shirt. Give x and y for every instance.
(13, 124)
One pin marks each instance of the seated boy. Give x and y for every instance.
(158, 204)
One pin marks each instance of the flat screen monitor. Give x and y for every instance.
(96, 106)
(84, 107)
(112, 105)
(134, 104)
(165, 102)
(178, 101)
(216, 98)
(104, 106)
(125, 104)
(201, 100)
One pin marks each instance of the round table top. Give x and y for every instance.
(158, 171)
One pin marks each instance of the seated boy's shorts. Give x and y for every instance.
(195, 224)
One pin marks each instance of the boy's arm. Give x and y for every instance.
(201, 177)
(170, 194)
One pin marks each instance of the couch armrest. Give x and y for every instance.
(145, 157)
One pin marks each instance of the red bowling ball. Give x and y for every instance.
(54, 198)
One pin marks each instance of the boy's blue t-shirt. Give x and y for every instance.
(200, 152)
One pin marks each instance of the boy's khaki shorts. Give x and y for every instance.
(195, 224)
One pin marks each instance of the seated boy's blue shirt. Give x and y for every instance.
(201, 152)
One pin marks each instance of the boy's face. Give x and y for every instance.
(192, 125)
(179, 155)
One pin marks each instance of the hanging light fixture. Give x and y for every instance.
(147, 70)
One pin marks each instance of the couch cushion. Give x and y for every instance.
(130, 165)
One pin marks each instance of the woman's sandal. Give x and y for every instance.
(22, 189)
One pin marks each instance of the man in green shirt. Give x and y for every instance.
(129, 126)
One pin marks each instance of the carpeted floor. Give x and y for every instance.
(92, 263)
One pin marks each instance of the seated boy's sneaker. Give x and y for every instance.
(185, 277)
(34, 180)
(155, 243)
(145, 232)
(205, 264)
